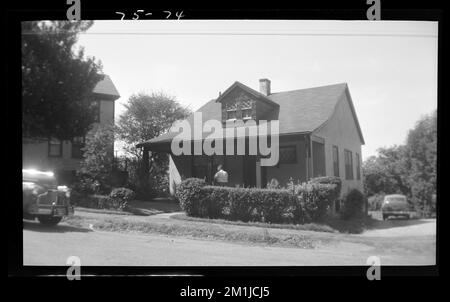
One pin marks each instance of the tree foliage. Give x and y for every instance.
(147, 116)
(98, 154)
(421, 162)
(408, 169)
(57, 80)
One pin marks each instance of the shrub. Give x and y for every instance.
(86, 185)
(332, 180)
(314, 200)
(215, 201)
(189, 195)
(353, 204)
(273, 184)
(119, 197)
(91, 201)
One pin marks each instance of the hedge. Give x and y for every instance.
(307, 202)
(117, 200)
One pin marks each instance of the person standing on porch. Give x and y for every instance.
(221, 177)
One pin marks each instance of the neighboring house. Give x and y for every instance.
(319, 136)
(64, 157)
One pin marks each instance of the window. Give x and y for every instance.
(54, 148)
(241, 108)
(348, 164)
(358, 167)
(246, 113)
(231, 114)
(77, 146)
(288, 155)
(231, 111)
(336, 161)
(246, 109)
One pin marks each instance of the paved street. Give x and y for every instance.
(52, 246)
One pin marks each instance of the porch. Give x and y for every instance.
(301, 157)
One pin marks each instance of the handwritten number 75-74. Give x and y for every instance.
(140, 12)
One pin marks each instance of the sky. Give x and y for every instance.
(389, 66)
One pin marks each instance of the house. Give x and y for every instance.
(64, 157)
(319, 135)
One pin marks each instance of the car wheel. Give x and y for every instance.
(385, 217)
(49, 221)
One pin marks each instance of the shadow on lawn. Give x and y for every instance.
(59, 228)
(359, 225)
(157, 205)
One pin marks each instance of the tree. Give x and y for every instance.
(98, 157)
(385, 173)
(421, 150)
(408, 169)
(147, 116)
(57, 81)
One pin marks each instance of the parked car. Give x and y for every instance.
(43, 198)
(395, 205)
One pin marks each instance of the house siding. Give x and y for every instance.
(341, 131)
(283, 172)
(35, 154)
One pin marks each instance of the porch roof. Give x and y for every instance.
(166, 138)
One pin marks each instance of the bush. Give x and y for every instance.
(315, 199)
(332, 180)
(273, 184)
(189, 195)
(92, 201)
(353, 204)
(119, 198)
(308, 202)
(215, 202)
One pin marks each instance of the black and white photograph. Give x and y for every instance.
(224, 143)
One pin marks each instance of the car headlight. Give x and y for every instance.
(34, 188)
(64, 189)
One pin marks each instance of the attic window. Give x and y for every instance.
(231, 114)
(231, 111)
(246, 113)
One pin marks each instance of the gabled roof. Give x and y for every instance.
(299, 111)
(253, 92)
(106, 88)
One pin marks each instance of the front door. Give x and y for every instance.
(250, 171)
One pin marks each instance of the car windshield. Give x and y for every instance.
(38, 178)
(396, 199)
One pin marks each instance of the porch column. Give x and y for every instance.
(258, 173)
(307, 152)
(145, 164)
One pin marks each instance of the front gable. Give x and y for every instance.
(240, 102)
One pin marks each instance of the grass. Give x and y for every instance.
(351, 226)
(329, 225)
(316, 227)
(193, 230)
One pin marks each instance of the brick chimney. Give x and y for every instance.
(264, 86)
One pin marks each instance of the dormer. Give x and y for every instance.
(240, 102)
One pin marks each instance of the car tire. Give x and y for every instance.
(49, 221)
(385, 217)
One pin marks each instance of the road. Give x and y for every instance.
(52, 246)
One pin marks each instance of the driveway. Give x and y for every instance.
(395, 242)
(402, 228)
